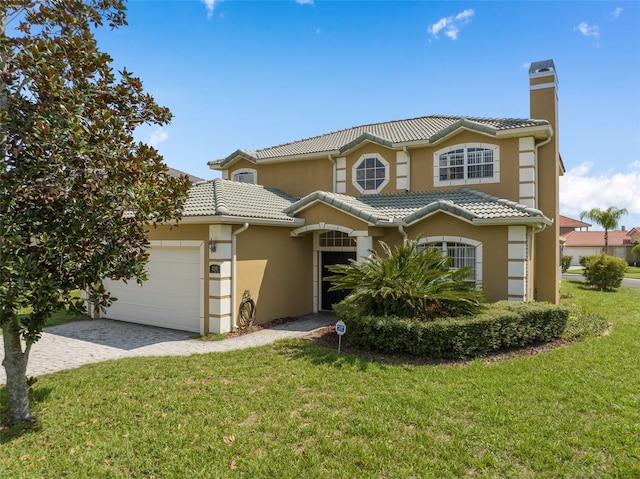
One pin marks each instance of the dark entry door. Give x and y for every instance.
(329, 298)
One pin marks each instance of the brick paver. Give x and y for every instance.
(71, 345)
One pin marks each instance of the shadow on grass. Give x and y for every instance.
(16, 431)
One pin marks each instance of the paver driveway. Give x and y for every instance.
(73, 344)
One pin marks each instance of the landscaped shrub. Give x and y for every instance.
(408, 281)
(566, 262)
(604, 272)
(501, 325)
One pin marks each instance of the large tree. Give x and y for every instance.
(608, 219)
(76, 191)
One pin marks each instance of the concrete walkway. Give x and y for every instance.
(71, 345)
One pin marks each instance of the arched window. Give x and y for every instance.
(245, 175)
(462, 251)
(470, 163)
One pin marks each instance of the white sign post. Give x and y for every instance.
(341, 328)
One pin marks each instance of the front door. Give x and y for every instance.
(329, 258)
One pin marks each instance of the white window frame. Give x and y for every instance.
(245, 171)
(354, 173)
(424, 242)
(495, 178)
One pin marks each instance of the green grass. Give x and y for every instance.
(632, 272)
(296, 410)
(59, 317)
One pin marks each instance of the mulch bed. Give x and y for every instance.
(253, 329)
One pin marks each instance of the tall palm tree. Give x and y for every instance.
(608, 219)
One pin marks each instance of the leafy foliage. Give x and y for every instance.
(604, 272)
(566, 262)
(76, 191)
(608, 219)
(409, 281)
(500, 325)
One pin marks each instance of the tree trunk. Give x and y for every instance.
(15, 365)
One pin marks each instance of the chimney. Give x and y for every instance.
(543, 95)
(623, 228)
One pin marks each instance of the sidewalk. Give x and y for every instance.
(74, 344)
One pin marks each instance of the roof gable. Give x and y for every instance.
(408, 208)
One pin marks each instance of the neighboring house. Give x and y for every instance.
(484, 190)
(588, 243)
(569, 224)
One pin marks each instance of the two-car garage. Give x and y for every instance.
(171, 297)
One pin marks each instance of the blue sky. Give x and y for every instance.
(253, 74)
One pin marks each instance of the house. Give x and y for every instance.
(588, 243)
(570, 224)
(484, 190)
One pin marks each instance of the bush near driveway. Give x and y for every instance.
(502, 325)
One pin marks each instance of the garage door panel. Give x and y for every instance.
(170, 298)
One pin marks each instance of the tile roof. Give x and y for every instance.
(596, 238)
(408, 208)
(426, 128)
(566, 222)
(233, 198)
(243, 200)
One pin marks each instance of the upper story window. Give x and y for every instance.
(370, 173)
(245, 175)
(466, 164)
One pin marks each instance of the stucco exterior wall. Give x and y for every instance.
(277, 270)
(295, 178)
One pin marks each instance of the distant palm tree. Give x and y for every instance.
(608, 219)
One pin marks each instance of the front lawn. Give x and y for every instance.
(632, 272)
(297, 410)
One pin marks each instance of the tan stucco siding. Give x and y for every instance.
(277, 270)
(493, 238)
(422, 165)
(296, 178)
(368, 149)
(322, 213)
(180, 232)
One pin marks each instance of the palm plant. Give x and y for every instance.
(608, 219)
(409, 281)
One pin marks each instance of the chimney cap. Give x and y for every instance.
(542, 66)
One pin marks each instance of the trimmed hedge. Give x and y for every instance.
(501, 325)
(566, 262)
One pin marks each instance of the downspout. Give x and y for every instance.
(244, 228)
(333, 162)
(402, 232)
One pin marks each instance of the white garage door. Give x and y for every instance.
(170, 298)
(578, 251)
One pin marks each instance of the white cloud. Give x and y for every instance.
(581, 191)
(304, 2)
(588, 30)
(210, 4)
(450, 26)
(158, 136)
(616, 13)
